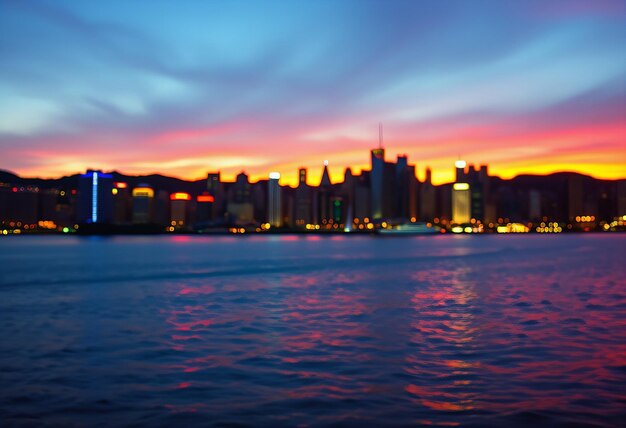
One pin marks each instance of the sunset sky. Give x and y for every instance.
(183, 88)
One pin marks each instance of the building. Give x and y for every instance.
(204, 209)
(215, 188)
(180, 210)
(240, 209)
(143, 204)
(95, 198)
(428, 201)
(274, 214)
(461, 195)
(303, 198)
(122, 203)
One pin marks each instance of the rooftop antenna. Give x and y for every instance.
(380, 135)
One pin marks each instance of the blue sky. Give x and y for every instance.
(183, 88)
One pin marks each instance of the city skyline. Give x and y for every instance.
(282, 86)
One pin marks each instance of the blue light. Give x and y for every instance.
(94, 198)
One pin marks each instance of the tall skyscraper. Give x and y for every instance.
(216, 190)
(427, 205)
(461, 196)
(376, 182)
(303, 213)
(95, 197)
(274, 203)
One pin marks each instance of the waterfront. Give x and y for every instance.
(313, 330)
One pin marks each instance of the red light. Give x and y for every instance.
(121, 185)
(180, 196)
(15, 190)
(206, 198)
(73, 191)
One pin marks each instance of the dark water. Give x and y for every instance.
(310, 331)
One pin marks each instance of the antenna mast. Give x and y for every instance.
(380, 135)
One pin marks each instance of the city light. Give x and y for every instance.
(145, 192)
(94, 198)
(275, 175)
(205, 198)
(461, 186)
(460, 164)
(180, 196)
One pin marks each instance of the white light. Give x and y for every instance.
(460, 164)
(461, 186)
(325, 163)
(275, 175)
(94, 197)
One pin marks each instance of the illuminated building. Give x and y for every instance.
(461, 198)
(274, 215)
(180, 210)
(95, 197)
(143, 204)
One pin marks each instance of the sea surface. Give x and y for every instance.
(313, 331)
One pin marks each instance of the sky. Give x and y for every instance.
(187, 87)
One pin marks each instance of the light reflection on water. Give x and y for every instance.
(313, 331)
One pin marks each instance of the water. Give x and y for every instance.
(313, 331)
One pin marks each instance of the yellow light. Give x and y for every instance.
(114, 191)
(180, 196)
(66, 229)
(62, 192)
(317, 227)
(502, 229)
(370, 226)
(468, 230)
(461, 186)
(384, 224)
(143, 192)
(457, 229)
